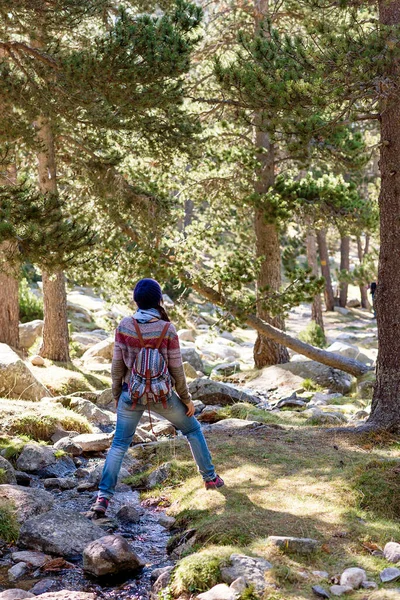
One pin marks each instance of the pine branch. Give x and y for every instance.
(23, 48)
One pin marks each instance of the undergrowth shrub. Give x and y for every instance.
(313, 334)
(12, 447)
(30, 306)
(9, 526)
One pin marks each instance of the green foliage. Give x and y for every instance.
(3, 476)
(313, 334)
(30, 306)
(200, 571)
(42, 427)
(9, 526)
(12, 447)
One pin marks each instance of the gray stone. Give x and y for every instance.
(190, 371)
(37, 361)
(321, 574)
(389, 574)
(158, 476)
(199, 407)
(210, 414)
(27, 501)
(162, 581)
(219, 592)
(16, 379)
(276, 378)
(320, 398)
(128, 514)
(68, 445)
(108, 555)
(369, 585)
(87, 409)
(191, 356)
(318, 417)
(94, 442)
(239, 585)
(106, 400)
(17, 571)
(62, 468)
(166, 521)
(8, 475)
(15, 594)
(251, 569)
(215, 392)
(325, 376)
(291, 402)
(340, 590)
(293, 544)
(320, 592)
(43, 586)
(62, 483)
(155, 574)
(103, 349)
(68, 595)
(226, 369)
(228, 425)
(96, 473)
(349, 351)
(391, 551)
(35, 559)
(35, 457)
(29, 333)
(65, 533)
(164, 428)
(353, 577)
(341, 310)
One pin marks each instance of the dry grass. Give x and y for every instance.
(296, 482)
(62, 379)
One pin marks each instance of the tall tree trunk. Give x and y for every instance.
(344, 266)
(385, 411)
(266, 351)
(325, 269)
(9, 303)
(363, 287)
(316, 308)
(55, 345)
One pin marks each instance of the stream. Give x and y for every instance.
(148, 539)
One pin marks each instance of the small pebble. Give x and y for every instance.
(340, 590)
(320, 592)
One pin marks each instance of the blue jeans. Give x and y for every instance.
(127, 421)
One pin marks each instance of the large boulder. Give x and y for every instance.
(16, 379)
(214, 392)
(7, 472)
(15, 594)
(94, 442)
(191, 356)
(35, 457)
(109, 555)
(326, 377)
(251, 569)
(65, 533)
(87, 409)
(29, 333)
(27, 501)
(276, 377)
(106, 400)
(103, 349)
(350, 351)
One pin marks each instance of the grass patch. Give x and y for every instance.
(42, 426)
(9, 526)
(62, 379)
(200, 571)
(244, 410)
(378, 485)
(180, 472)
(12, 447)
(310, 386)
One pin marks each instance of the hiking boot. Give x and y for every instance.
(215, 483)
(99, 508)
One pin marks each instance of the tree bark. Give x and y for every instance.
(9, 302)
(344, 266)
(325, 269)
(55, 345)
(385, 410)
(363, 287)
(316, 308)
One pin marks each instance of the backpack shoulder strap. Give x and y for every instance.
(162, 336)
(139, 333)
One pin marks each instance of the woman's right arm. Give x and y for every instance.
(118, 370)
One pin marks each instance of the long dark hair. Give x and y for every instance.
(163, 313)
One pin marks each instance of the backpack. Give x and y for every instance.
(150, 373)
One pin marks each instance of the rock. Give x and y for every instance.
(68, 595)
(106, 400)
(95, 475)
(292, 544)
(225, 369)
(291, 402)
(353, 577)
(158, 476)
(198, 406)
(318, 417)
(210, 415)
(16, 379)
(8, 473)
(354, 303)
(35, 457)
(87, 409)
(349, 351)
(63, 467)
(164, 428)
(43, 586)
(37, 361)
(191, 356)
(29, 333)
(327, 377)
(15, 594)
(251, 569)
(103, 349)
(219, 592)
(62, 483)
(34, 559)
(365, 386)
(166, 521)
(233, 424)
(322, 399)
(391, 551)
(320, 592)
(61, 532)
(68, 445)
(108, 555)
(23, 478)
(190, 371)
(155, 574)
(389, 574)
(187, 335)
(275, 377)
(340, 590)
(369, 585)
(94, 442)
(214, 392)
(128, 514)
(341, 310)
(17, 571)
(239, 585)
(321, 574)
(27, 501)
(162, 580)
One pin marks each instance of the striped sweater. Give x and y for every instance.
(127, 347)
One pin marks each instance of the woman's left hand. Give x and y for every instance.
(190, 408)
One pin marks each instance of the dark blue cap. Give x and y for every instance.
(147, 293)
